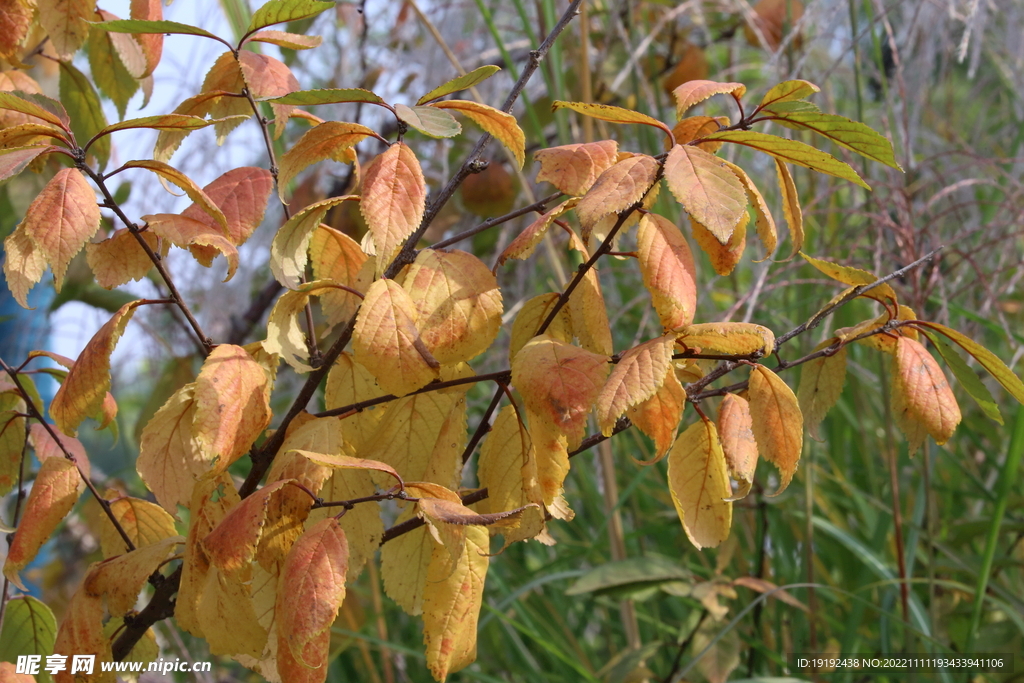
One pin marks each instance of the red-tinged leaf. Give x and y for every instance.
(668, 271)
(311, 589)
(821, 383)
(778, 423)
(289, 250)
(330, 140)
(292, 41)
(231, 546)
(267, 77)
(45, 447)
(606, 112)
(29, 134)
(14, 160)
(523, 246)
(66, 23)
(587, 309)
(189, 233)
(152, 44)
(393, 201)
(436, 123)
(763, 221)
(120, 579)
(623, 184)
(637, 376)
(169, 122)
(559, 382)
(659, 416)
(337, 257)
(81, 633)
(573, 169)
(197, 195)
(789, 91)
(692, 93)
(986, 358)
(282, 11)
(305, 98)
(923, 401)
(458, 304)
(9, 672)
(452, 603)
(706, 187)
(83, 391)
(791, 207)
(61, 219)
(463, 82)
(347, 462)
(53, 494)
(24, 265)
(232, 407)
(119, 259)
(792, 151)
(699, 484)
(724, 257)
(16, 18)
(503, 127)
(28, 103)
(387, 342)
(735, 427)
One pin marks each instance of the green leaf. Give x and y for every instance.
(281, 11)
(437, 123)
(29, 629)
(461, 83)
(986, 358)
(856, 277)
(39, 106)
(328, 96)
(632, 573)
(853, 135)
(792, 151)
(607, 112)
(167, 122)
(87, 117)
(110, 73)
(968, 380)
(146, 26)
(788, 91)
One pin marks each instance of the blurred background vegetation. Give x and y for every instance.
(883, 553)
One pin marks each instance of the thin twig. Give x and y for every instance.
(538, 205)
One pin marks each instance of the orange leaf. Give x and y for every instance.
(587, 308)
(573, 169)
(24, 264)
(337, 257)
(152, 44)
(9, 670)
(67, 24)
(669, 274)
(623, 184)
(699, 484)
(14, 160)
(497, 123)
(197, 195)
(292, 41)
(922, 400)
(81, 633)
(559, 382)
(232, 404)
(267, 77)
(242, 195)
(694, 92)
(763, 221)
(231, 546)
(45, 447)
(330, 140)
(637, 377)
(53, 494)
(778, 423)
(458, 304)
(658, 417)
(695, 127)
(724, 257)
(708, 190)
(61, 219)
(387, 342)
(120, 579)
(394, 198)
(791, 207)
(17, 18)
(532, 315)
(119, 259)
(736, 429)
(86, 386)
(523, 245)
(821, 383)
(347, 462)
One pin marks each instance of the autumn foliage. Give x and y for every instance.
(261, 572)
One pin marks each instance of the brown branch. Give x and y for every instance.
(539, 205)
(502, 376)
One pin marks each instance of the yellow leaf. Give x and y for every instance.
(573, 169)
(855, 277)
(607, 112)
(61, 219)
(777, 422)
(66, 23)
(559, 382)
(523, 245)
(694, 92)
(552, 450)
(587, 309)
(532, 315)
(337, 257)
(227, 618)
(497, 123)
(788, 91)
(120, 579)
(119, 259)
(452, 604)
(53, 494)
(699, 484)
(404, 562)
(696, 127)
(232, 406)
(288, 251)
(623, 184)
(922, 400)
(668, 271)
(393, 201)
(12, 439)
(458, 304)
(659, 416)
(791, 207)
(763, 221)
(285, 335)
(193, 191)
(387, 342)
(728, 338)
(348, 382)
(736, 429)
(145, 524)
(24, 264)
(724, 257)
(637, 377)
(706, 187)
(86, 386)
(330, 140)
(986, 358)
(821, 383)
